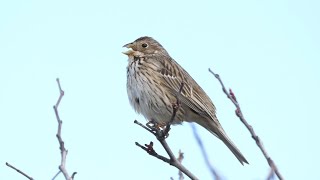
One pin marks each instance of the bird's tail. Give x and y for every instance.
(219, 132)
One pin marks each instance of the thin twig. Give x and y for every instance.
(144, 127)
(152, 152)
(63, 150)
(161, 136)
(73, 174)
(232, 97)
(180, 158)
(172, 161)
(204, 153)
(54, 177)
(19, 171)
(175, 110)
(60, 91)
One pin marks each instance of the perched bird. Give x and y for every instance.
(153, 82)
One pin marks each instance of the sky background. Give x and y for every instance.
(268, 52)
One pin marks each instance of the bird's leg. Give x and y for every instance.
(175, 106)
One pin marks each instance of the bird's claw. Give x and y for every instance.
(159, 129)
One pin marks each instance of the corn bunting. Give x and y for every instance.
(153, 82)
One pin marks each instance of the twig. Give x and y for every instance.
(54, 177)
(204, 153)
(19, 171)
(232, 97)
(180, 158)
(148, 148)
(161, 136)
(172, 160)
(63, 150)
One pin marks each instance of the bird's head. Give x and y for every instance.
(145, 46)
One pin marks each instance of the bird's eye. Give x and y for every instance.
(144, 45)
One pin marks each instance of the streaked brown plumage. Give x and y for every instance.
(153, 81)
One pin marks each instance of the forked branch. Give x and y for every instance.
(161, 135)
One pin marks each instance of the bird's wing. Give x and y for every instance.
(192, 94)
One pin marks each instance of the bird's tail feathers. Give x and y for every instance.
(219, 132)
(233, 148)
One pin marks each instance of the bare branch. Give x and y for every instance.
(144, 127)
(180, 158)
(73, 174)
(54, 177)
(149, 149)
(60, 91)
(63, 150)
(161, 136)
(232, 97)
(204, 153)
(19, 171)
(173, 161)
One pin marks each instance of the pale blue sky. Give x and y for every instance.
(268, 52)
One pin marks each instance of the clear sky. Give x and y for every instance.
(268, 52)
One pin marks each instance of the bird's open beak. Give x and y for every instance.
(129, 45)
(130, 51)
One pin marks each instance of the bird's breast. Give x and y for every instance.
(145, 92)
(137, 83)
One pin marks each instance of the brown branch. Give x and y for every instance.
(232, 97)
(204, 153)
(173, 161)
(19, 171)
(64, 152)
(161, 136)
(149, 149)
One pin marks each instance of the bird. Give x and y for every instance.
(153, 85)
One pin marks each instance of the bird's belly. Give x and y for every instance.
(147, 97)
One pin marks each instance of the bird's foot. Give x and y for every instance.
(160, 129)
